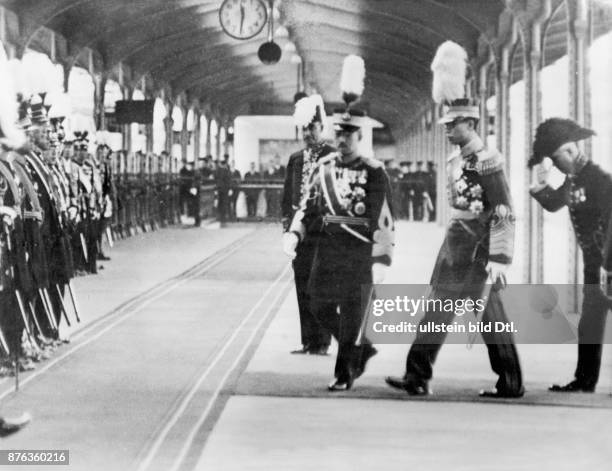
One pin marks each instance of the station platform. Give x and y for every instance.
(182, 363)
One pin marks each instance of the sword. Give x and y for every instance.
(36, 323)
(4, 344)
(109, 236)
(366, 316)
(51, 310)
(74, 301)
(84, 246)
(24, 316)
(50, 318)
(63, 304)
(472, 336)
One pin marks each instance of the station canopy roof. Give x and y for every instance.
(182, 43)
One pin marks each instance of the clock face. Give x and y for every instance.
(243, 19)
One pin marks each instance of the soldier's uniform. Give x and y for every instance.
(420, 187)
(481, 230)
(347, 209)
(588, 195)
(315, 339)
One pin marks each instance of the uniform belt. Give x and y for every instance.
(349, 220)
(38, 215)
(463, 214)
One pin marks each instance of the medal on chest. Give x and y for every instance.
(349, 185)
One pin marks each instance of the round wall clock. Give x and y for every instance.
(243, 19)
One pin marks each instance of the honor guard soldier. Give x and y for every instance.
(346, 207)
(310, 117)
(587, 192)
(479, 239)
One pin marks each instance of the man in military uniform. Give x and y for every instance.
(478, 245)
(432, 189)
(406, 183)
(309, 116)
(347, 206)
(252, 194)
(223, 182)
(587, 192)
(420, 187)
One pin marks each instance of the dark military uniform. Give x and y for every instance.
(314, 336)
(588, 195)
(481, 230)
(347, 208)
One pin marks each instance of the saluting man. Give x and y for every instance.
(587, 192)
(348, 209)
(310, 117)
(479, 241)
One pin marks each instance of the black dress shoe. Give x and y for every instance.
(337, 385)
(572, 386)
(413, 388)
(494, 393)
(368, 352)
(301, 351)
(10, 426)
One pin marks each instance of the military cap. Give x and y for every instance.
(552, 134)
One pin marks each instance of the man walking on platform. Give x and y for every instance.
(223, 181)
(587, 192)
(479, 241)
(252, 176)
(309, 116)
(347, 206)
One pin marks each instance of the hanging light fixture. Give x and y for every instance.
(269, 53)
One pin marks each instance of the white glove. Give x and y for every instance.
(378, 273)
(497, 272)
(290, 242)
(193, 191)
(72, 213)
(8, 214)
(542, 172)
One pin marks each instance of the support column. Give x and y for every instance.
(502, 108)
(99, 94)
(184, 135)
(168, 123)
(578, 39)
(196, 135)
(208, 141)
(483, 94)
(126, 129)
(534, 266)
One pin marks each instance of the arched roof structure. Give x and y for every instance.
(180, 43)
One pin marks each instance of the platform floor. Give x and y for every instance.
(181, 363)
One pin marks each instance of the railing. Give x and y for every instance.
(146, 202)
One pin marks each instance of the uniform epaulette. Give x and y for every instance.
(489, 161)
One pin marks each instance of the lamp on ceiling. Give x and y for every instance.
(269, 53)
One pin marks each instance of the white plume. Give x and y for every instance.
(353, 75)
(12, 135)
(449, 68)
(317, 101)
(306, 109)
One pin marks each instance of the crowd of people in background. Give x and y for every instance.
(414, 189)
(257, 193)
